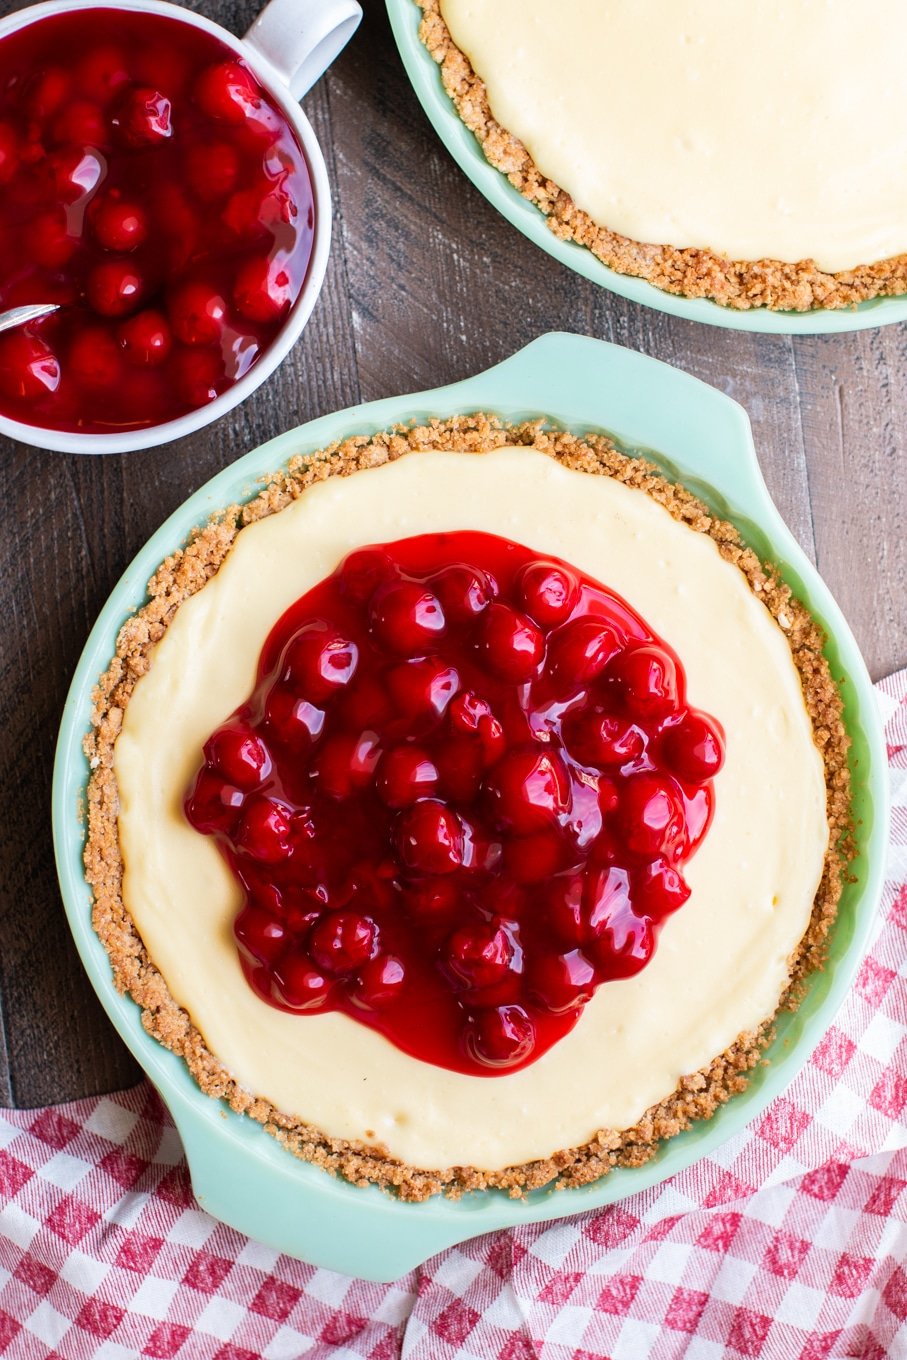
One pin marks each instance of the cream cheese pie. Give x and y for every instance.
(716, 150)
(465, 805)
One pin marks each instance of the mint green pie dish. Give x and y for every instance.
(425, 77)
(239, 1173)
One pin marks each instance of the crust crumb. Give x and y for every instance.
(699, 1094)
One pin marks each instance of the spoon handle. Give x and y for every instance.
(17, 316)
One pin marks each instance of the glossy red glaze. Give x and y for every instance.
(150, 186)
(460, 798)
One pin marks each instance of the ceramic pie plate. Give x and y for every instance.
(703, 439)
(425, 77)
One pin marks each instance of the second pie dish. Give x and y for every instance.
(656, 547)
(624, 140)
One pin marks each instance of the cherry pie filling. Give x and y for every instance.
(151, 188)
(460, 798)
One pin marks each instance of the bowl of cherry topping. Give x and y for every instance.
(161, 187)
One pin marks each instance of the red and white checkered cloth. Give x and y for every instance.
(789, 1243)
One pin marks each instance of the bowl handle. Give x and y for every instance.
(300, 38)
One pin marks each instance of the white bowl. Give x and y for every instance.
(289, 46)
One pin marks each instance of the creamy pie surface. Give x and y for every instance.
(773, 131)
(722, 960)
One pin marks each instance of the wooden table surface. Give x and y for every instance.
(426, 284)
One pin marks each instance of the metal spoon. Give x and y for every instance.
(17, 316)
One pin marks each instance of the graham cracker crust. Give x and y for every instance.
(187, 570)
(689, 272)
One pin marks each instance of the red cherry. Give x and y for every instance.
(9, 154)
(118, 224)
(49, 241)
(404, 775)
(200, 375)
(624, 947)
(319, 661)
(197, 313)
(212, 170)
(480, 955)
(646, 679)
(510, 644)
(430, 838)
(260, 935)
(299, 985)
(239, 755)
(694, 748)
(467, 711)
(500, 1037)
(422, 688)
(142, 117)
(82, 123)
(227, 92)
(465, 592)
(659, 889)
(146, 339)
(46, 92)
(563, 910)
(342, 941)
(363, 571)
(265, 831)
(263, 290)
(406, 617)
(528, 789)
(603, 740)
(561, 982)
(213, 805)
(651, 816)
(102, 72)
(547, 591)
(579, 652)
(379, 981)
(345, 762)
(29, 369)
(114, 288)
(94, 358)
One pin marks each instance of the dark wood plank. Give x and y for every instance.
(426, 285)
(854, 414)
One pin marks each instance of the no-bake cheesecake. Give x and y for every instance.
(749, 155)
(465, 805)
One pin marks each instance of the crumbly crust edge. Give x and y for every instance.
(699, 1094)
(688, 272)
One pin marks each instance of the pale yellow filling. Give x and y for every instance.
(775, 130)
(722, 960)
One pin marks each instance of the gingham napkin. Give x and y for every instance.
(789, 1243)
